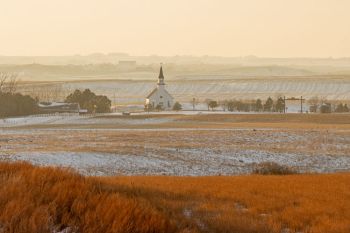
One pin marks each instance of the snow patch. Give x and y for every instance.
(182, 163)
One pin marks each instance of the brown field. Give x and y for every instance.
(211, 120)
(52, 200)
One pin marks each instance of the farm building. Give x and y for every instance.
(160, 98)
(58, 107)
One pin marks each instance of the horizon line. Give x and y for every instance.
(182, 55)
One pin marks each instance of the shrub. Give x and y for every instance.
(271, 168)
(177, 106)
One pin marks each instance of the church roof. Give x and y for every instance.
(155, 90)
(152, 92)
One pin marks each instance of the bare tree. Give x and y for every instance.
(194, 102)
(48, 92)
(12, 84)
(223, 104)
(3, 78)
(315, 101)
(8, 82)
(207, 102)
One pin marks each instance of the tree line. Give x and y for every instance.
(258, 105)
(14, 104)
(90, 101)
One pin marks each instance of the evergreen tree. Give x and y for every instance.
(88, 100)
(345, 108)
(268, 105)
(258, 105)
(339, 108)
(280, 105)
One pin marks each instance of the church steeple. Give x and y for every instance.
(161, 76)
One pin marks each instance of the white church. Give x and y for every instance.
(160, 98)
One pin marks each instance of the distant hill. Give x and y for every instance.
(114, 58)
(182, 68)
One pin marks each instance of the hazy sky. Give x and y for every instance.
(274, 28)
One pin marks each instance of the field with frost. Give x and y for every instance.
(179, 144)
(133, 92)
(185, 90)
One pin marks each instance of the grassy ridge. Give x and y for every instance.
(248, 204)
(52, 200)
(34, 199)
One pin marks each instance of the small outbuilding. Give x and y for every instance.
(59, 107)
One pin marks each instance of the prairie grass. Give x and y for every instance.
(34, 199)
(38, 200)
(254, 203)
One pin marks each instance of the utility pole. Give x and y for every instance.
(301, 104)
(284, 102)
(115, 103)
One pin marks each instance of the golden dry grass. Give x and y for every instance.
(46, 199)
(39, 200)
(298, 203)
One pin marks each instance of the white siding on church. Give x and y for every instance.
(161, 97)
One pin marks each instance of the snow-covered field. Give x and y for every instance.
(171, 151)
(64, 119)
(184, 163)
(116, 118)
(74, 119)
(133, 92)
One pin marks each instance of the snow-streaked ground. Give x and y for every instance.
(185, 163)
(183, 152)
(74, 119)
(62, 119)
